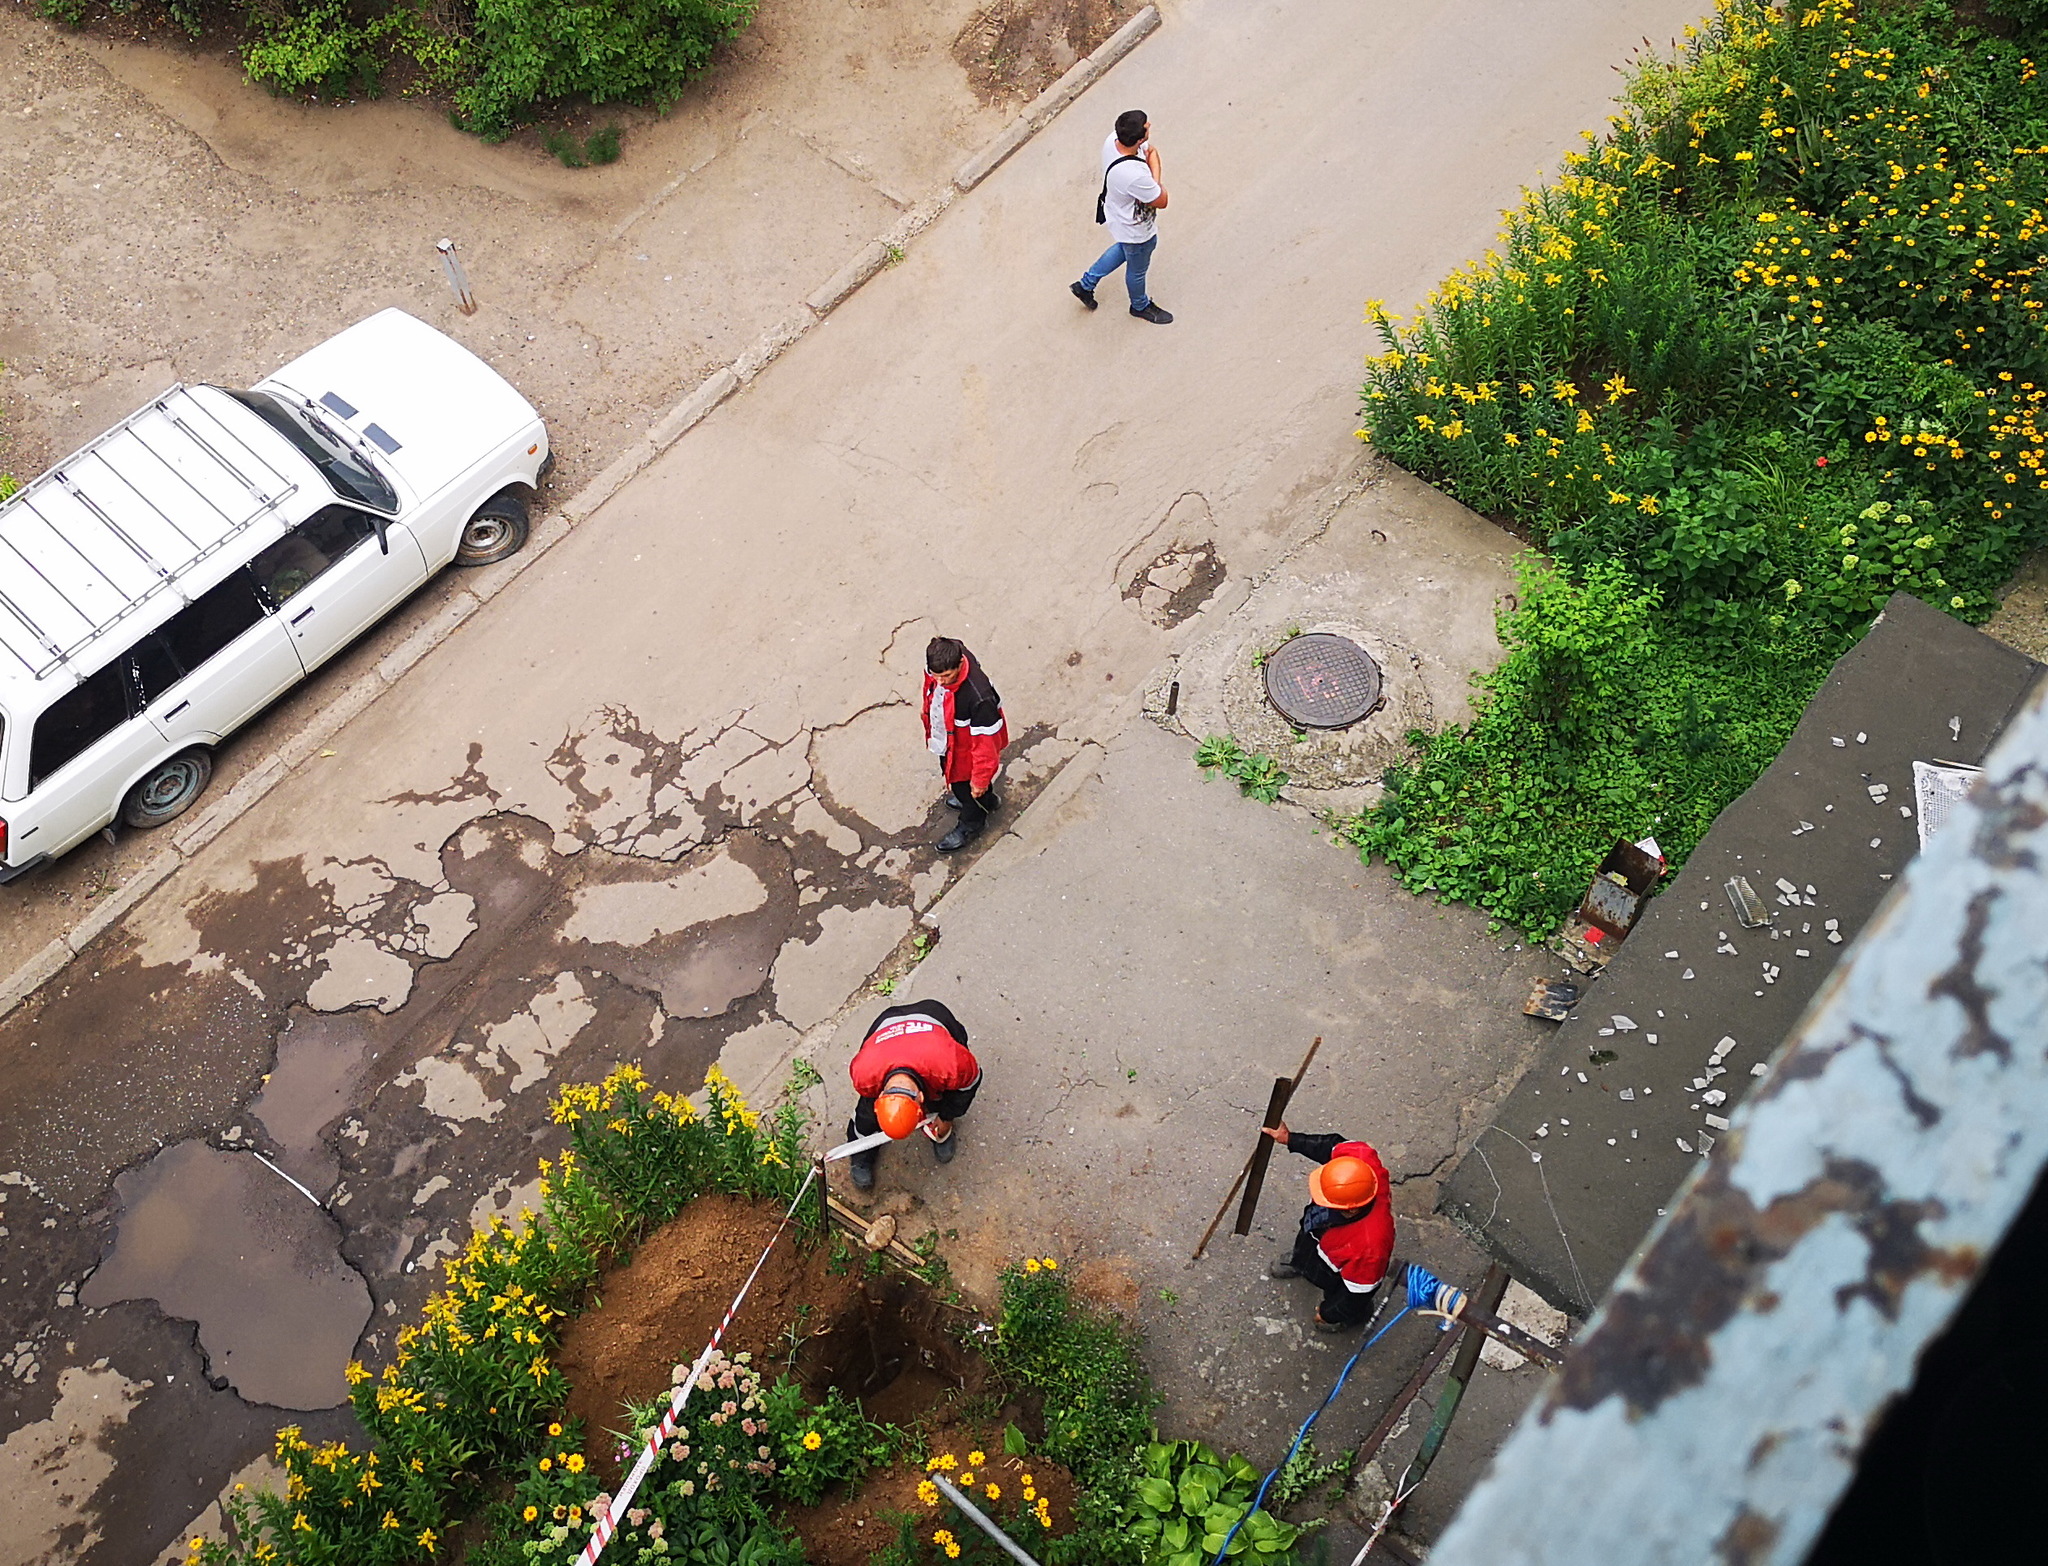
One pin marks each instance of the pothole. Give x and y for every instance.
(218, 1239)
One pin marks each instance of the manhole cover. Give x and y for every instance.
(1321, 681)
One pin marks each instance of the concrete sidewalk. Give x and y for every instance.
(1140, 962)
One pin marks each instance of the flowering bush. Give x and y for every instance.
(472, 1389)
(1768, 351)
(819, 1446)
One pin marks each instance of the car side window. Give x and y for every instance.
(153, 667)
(212, 620)
(79, 718)
(299, 558)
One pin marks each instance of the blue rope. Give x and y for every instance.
(1302, 1434)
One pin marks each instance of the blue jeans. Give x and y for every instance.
(1136, 260)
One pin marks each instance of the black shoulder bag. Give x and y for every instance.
(1129, 157)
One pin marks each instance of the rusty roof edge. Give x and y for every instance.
(1716, 1406)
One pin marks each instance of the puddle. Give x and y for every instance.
(320, 1062)
(217, 1239)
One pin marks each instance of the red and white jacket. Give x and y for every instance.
(917, 1039)
(1356, 1249)
(964, 724)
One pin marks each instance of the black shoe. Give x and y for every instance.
(1154, 314)
(989, 802)
(1283, 1267)
(944, 1151)
(1085, 295)
(963, 834)
(950, 800)
(862, 1167)
(1329, 1326)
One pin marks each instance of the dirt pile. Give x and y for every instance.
(1016, 49)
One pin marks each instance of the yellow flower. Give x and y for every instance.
(812, 1440)
(530, 1513)
(1029, 1480)
(426, 1540)
(554, 1430)
(967, 1479)
(390, 1523)
(573, 1462)
(355, 1372)
(1031, 1264)
(1051, 1265)
(942, 1536)
(993, 1491)
(952, 1552)
(976, 1459)
(928, 1492)
(546, 1463)
(1030, 1494)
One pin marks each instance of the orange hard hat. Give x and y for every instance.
(898, 1112)
(1343, 1183)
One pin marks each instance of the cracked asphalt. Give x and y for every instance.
(664, 797)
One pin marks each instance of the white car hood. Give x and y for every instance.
(438, 404)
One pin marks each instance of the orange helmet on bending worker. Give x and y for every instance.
(899, 1112)
(1343, 1183)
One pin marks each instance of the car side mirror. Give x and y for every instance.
(383, 535)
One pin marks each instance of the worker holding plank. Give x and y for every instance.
(913, 1071)
(1347, 1230)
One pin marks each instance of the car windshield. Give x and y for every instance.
(348, 473)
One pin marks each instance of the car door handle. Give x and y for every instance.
(302, 614)
(176, 710)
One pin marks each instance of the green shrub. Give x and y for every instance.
(1769, 351)
(637, 51)
(1098, 1404)
(315, 52)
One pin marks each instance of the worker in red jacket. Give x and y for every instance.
(1346, 1240)
(912, 1071)
(965, 728)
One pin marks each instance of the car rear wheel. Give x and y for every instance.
(498, 529)
(169, 791)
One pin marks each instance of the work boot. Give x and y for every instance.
(862, 1167)
(1282, 1266)
(944, 1151)
(1085, 295)
(1329, 1326)
(963, 834)
(1155, 315)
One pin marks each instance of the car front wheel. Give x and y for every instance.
(169, 791)
(498, 529)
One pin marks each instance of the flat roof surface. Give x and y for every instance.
(1568, 1179)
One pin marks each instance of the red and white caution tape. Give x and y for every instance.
(601, 1533)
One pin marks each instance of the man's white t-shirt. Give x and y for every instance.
(1131, 187)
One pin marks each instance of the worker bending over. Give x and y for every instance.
(1347, 1230)
(913, 1069)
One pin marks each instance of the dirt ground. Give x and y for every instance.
(165, 220)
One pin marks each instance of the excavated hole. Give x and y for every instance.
(892, 1348)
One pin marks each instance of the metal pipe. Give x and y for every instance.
(975, 1514)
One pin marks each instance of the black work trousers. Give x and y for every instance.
(1343, 1306)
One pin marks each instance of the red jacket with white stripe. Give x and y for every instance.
(907, 1038)
(971, 715)
(1357, 1249)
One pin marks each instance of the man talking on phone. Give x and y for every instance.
(1128, 205)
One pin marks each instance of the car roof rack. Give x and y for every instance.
(125, 520)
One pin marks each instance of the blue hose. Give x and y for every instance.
(1302, 1434)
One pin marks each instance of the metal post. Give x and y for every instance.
(975, 1515)
(457, 278)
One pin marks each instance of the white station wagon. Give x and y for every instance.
(165, 584)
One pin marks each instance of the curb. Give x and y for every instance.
(482, 585)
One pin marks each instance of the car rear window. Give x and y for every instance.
(78, 719)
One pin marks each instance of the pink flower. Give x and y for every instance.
(748, 1426)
